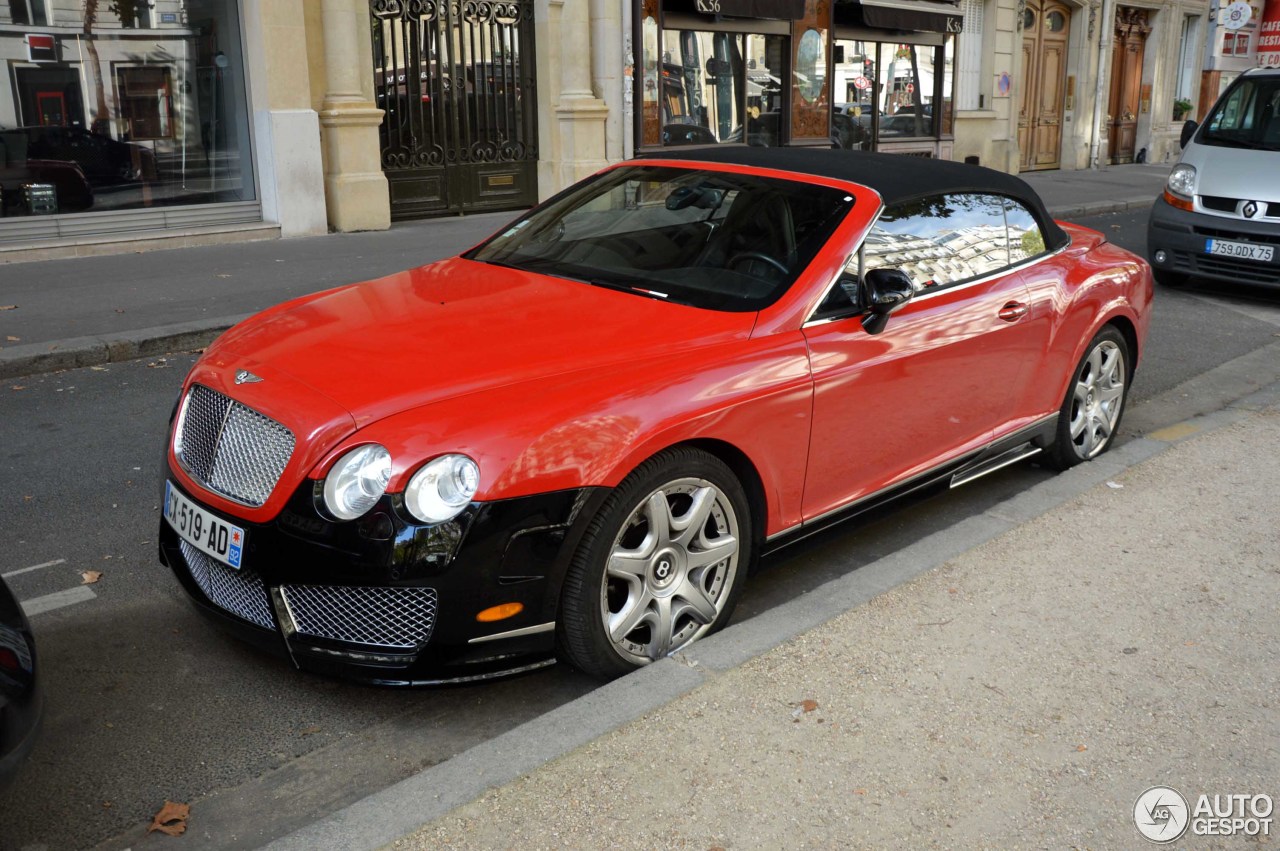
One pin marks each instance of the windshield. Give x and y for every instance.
(710, 239)
(1248, 116)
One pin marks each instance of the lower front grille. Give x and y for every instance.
(395, 618)
(239, 592)
(1242, 270)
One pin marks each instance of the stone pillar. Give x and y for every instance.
(354, 186)
(579, 149)
(287, 137)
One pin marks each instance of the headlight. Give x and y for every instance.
(1182, 180)
(441, 489)
(357, 481)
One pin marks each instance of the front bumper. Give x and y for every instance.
(1179, 237)
(387, 600)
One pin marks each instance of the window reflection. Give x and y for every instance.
(892, 92)
(720, 87)
(142, 105)
(948, 239)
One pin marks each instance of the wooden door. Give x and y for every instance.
(1132, 28)
(1045, 29)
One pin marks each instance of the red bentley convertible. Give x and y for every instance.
(575, 439)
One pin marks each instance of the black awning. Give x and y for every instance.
(936, 16)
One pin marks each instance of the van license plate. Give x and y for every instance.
(204, 530)
(1243, 250)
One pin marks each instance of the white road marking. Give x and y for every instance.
(34, 567)
(49, 602)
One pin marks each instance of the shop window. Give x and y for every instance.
(116, 124)
(720, 87)
(28, 12)
(146, 102)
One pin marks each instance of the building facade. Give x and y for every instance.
(137, 120)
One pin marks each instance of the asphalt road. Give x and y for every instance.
(148, 703)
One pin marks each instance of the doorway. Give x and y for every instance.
(457, 83)
(1132, 29)
(1046, 27)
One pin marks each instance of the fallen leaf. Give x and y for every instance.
(172, 819)
(859, 791)
(310, 731)
(106, 805)
(808, 705)
(8, 307)
(1081, 748)
(90, 576)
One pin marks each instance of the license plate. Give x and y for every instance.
(203, 529)
(1243, 250)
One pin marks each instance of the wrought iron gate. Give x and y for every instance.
(456, 78)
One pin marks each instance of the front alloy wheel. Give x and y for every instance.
(659, 567)
(1090, 415)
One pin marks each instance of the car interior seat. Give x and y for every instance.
(759, 222)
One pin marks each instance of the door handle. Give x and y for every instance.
(1013, 311)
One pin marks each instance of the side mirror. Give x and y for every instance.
(886, 291)
(1188, 130)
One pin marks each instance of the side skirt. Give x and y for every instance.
(1018, 446)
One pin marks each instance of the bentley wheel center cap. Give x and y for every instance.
(664, 569)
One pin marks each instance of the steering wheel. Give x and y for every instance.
(745, 256)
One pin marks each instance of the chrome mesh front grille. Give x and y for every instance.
(230, 448)
(400, 618)
(239, 592)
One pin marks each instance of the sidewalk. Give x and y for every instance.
(1016, 681)
(88, 311)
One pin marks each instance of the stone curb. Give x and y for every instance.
(35, 358)
(1097, 208)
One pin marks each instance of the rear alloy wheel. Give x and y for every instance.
(659, 567)
(1090, 414)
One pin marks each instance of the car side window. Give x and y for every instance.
(939, 241)
(1026, 239)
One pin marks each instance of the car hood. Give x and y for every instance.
(1235, 172)
(458, 327)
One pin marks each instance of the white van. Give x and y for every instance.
(1219, 216)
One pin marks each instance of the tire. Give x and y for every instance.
(637, 590)
(1173, 280)
(1095, 400)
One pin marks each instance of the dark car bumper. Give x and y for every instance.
(1176, 242)
(21, 704)
(386, 600)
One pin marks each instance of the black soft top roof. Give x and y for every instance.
(895, 177)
